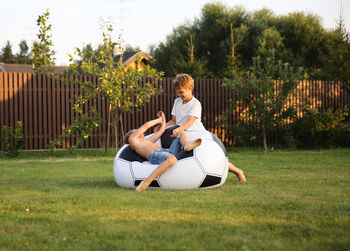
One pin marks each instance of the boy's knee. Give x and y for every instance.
(171, 159)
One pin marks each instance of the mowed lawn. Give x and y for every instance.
(292, 200)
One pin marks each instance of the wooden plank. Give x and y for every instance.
(333, 95)
(15, 98)
(63, 108)
(326, 93)
(67, 112)
(45, 112)
(2, 106)
(35, 111)
(90, 104)
(216, 107)
(100, 128)
(30, 111)
(85, 109)
(95, 144)
(20, 96)
(49, 109)
(57, 109)
(40, 112)
(54, 106)
(11, 100)
(71, 116)
(25, 111)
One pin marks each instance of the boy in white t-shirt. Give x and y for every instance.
(187, 112)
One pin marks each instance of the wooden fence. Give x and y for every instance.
(44, 106)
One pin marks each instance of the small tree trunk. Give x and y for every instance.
(108, 126)
(264, 137)
(116, 133)
(122, 126)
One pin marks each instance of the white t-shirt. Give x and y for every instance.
(182, 111)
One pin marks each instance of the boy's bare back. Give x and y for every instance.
(143, 146)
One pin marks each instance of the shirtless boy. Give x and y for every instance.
(147, 148)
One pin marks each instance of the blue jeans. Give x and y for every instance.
(159, 156)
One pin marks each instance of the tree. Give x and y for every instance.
(342, 49)
(122, 89)
(43, 53)
(167, 54)
(23, 57)
(304, 40)
(298, 38)
(264, 91)
(234, 65)
(7, 55)
(189, 64)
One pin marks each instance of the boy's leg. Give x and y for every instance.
(175, 147)
(186, 143)
(239, 173)
(169, 162)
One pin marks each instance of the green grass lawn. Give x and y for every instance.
(292, 200)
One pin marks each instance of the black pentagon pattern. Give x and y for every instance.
(218, 141)
(183, 154)
(166, 138)
(211, 180)
(153, 184)
(130, 155)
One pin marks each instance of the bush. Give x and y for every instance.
(12, 139)
(322, 129)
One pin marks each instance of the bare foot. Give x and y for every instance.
(193, 144)
(239, 173)
(241, 176)
(142, 186)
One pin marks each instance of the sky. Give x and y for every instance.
(142, 23)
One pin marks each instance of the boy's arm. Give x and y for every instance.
(185, 126)
(156, 135)
(144, 128)
(171, 122)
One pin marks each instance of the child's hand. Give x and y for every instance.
(161, 116)
(175, 133)
(162, 122)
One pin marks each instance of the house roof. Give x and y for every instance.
(28, 68)
(127, 59)
(131, 56)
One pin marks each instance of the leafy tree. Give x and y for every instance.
(43, 53)
(304, 40)
(122, 89)
(264, 99)
(7, 55)
(213, 33)
(167, 55)
(130, 48)
(270, 39)
(297, 38)
(340, 48)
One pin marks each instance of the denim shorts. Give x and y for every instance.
(158, 156)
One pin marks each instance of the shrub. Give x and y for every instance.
(12, 139)
(322, 129)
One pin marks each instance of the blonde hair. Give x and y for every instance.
(183, 81)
